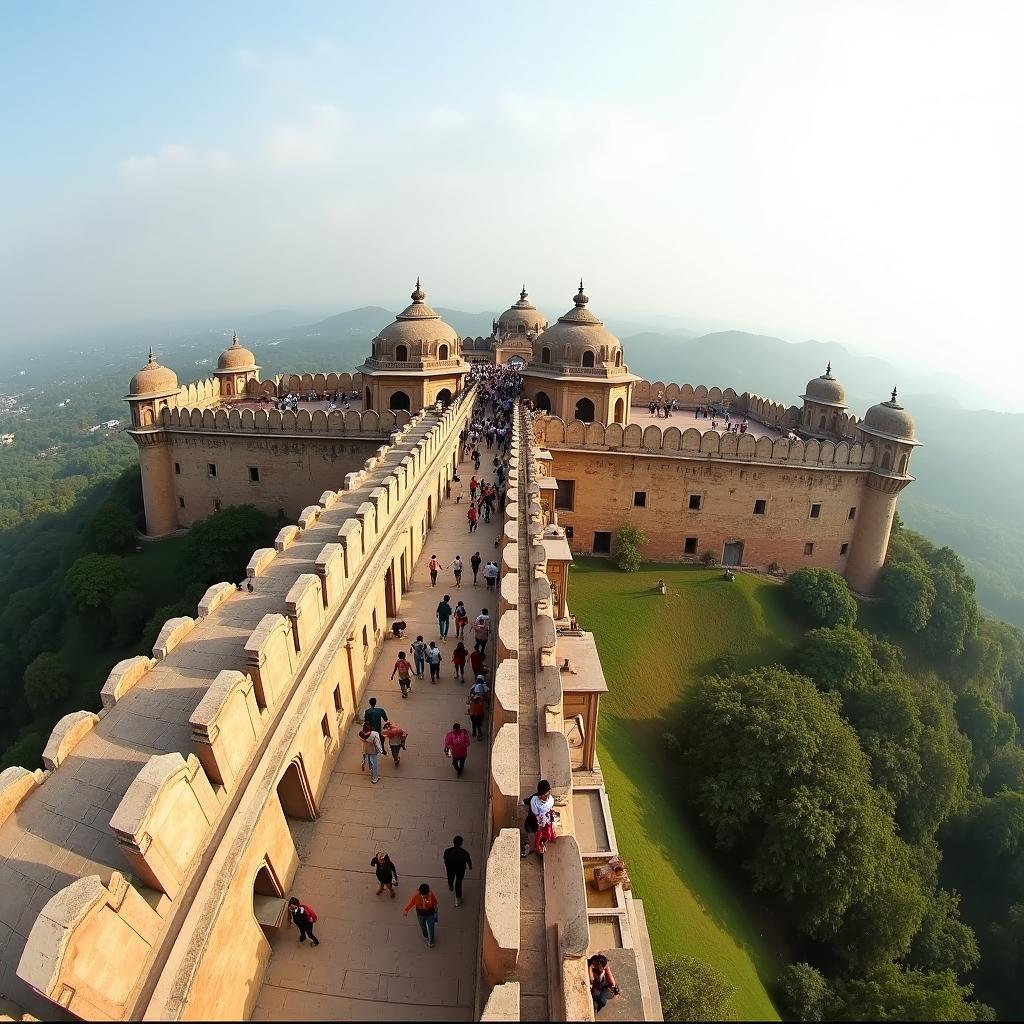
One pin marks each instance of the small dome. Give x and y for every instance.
(153, 379)
(890, 420)
(236, 357)
(825, 390)
(419, 329)
(575, 333)
(523, 314)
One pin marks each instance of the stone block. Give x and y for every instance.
(174, 631)
(285, 538)
(261, 558)
(214, 597)
(66, 735)
(16, 783)
(501, 936)
(123, 676)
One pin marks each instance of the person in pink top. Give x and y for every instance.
(456, 746)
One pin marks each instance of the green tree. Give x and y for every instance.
(1006, 770)
(944, 942)
(628, 541)
(894, 994)
(47, 682)
(907, 593)
(806, 993)
(93, 580)
(954, 615)
(781, 780)
(822, 597)
(130, 610)
(837, 658)
(25, 752)
(692, 990)
(111, 530)
(220, 546)
(985, 725)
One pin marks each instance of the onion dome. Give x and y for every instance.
(576, 332)
(153, 379)
(891, 421)
(236, 357)
(419, 329)
(522, 318)
(825, 390)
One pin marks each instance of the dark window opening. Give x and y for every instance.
(602, 543)
(853, 512)
(690, 546)
(254, 475)
(760, 506)
(696, 500)
(588, 358)
(809, 548)
(325, 728)
(816, 511)
(401, 354)
(545, 355)
(843, 548)
(366, 638)
(565, 496)
(211, 469)
(640, 499)
(337, 698)
(177, 469)
(181, 502)
(216, 504)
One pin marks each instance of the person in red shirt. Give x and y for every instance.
(425, 903)
(472, 516)
(478, 659)
(303, 917)
(456, 746)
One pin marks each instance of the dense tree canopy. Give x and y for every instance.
(220, 546)
(822, 597)
(908, 593)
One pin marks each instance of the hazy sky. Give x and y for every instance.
(845, 171)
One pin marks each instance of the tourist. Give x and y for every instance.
(479, 687)
(396, 737)
(456, 861)
(398, 629)
(425, 903)
(375, 717)
(303, 917)
(602, 982)
(477, 710)
(482, 630)
(456, 746)
(386, 872)
(478, 663)
(473, 485)
(461, 621)
(542, 804)
(434, 566)
(474, 564)
(419, 653)
(373, 747)
(444, 615)
(529, 830)
(459, 656)
(491, 574)
(404, 670)
(472, 516)
(434, 660)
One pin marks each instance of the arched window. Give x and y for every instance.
(444, 396)
(618, 358)
(545, 355)
(821, 423)
(442, 352)
(585, 410)
(620, 409)
(542, 401)
(588, 358)
(521, 328)
(147, 417)
(399, 400)
(887, 459)
(369, 400)
(903, 463)
(401, 354)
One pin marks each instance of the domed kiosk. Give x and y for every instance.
(515, 330)
(416, 361)
(576, 369)
(235, 367)
(890, 432)
(824, 406)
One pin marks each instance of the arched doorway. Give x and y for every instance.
(620, 411)
(542, 401)
(585, 410)
(401, 354)
(588, 358)
(369, 400)
(444, 396)
(442, 352)
(399, 401)
(545, 355)
(294, 793)
(618, 358)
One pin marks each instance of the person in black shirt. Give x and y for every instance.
(456, 861)
(303, 918)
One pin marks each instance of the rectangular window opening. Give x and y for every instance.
(809, 548)
(211, 469)
(254, 475)
(640, 499)
(696, 500)
(216, 504)
(177, 469)
(760, 506)
(366, 638)
(690, 546)
(816, 511)
(853, 512)
(565, 496)
(337, 698)
(602, 543)
(325, 728)
(181, 502)
(844, 548)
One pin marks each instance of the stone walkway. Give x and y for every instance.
(373, 964)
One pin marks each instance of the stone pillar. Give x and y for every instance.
(871, 538)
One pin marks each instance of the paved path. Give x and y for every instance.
(373, 964)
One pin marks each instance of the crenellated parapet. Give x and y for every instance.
(687, 396)
(274, 422)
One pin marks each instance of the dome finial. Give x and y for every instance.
(581, 299)
(234, 339)
(418, 295)
(522, 294)
(151, 360)
(894, 395)
(828, 369)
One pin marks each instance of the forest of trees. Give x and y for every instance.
(873, 791)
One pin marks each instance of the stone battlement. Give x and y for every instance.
(271, 421)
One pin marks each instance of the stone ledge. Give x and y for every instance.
(123, 676)
(285, 538)
(308, 516)
(15, 785)
(261, 558)
(174, 631)
(214, 597)
(502, 908)
(502, 1003)
(66, 735)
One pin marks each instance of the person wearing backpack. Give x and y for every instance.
(419, 654)
(434, 660)
(542, 804)
(303, 917)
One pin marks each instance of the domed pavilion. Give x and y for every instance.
(824, 406)
(576, 369)
(235, 367)
(416, 361)
(148, 392)
(892, 431)
(515, 330)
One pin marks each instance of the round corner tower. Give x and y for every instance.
(149, 394)
(890, 429)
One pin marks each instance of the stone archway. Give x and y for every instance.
(620, 411)
(444, 396)
(584, 410)
(588, 358)
(401, 354)
(369, 399)
(542, 402)
(399, 401)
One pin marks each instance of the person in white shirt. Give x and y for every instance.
(491, 574)
(542, 804)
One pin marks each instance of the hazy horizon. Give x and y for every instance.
(835, 172)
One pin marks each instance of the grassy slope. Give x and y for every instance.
(651, 648)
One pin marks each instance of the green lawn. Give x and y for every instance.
(651, 648)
